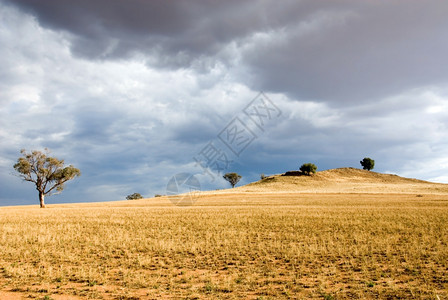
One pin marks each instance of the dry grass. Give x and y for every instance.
(230, 246)
(346, 180)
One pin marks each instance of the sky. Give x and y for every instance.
(134, 92)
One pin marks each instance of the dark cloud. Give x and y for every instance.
(113, 29)
(357, 55)
(344, 52)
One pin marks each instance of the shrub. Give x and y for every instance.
(134, 196)
(308, 168)
(367, 163)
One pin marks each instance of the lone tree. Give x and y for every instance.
(308, 168)
(47, 173)
(367, 163)
(232, 178)
(134, 196)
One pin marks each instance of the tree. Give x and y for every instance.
(47, 173)
(134, 196)
(367, 163)
(232, 178)
(308, 168)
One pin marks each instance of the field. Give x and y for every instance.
(230, 245)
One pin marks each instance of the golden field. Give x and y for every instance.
(341, 234)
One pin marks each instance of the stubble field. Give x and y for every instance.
(230, 246)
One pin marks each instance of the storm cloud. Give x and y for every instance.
(338, 51)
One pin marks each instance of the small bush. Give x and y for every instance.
(308, 168)
(134, 196)
(367, 163)
(262, 176)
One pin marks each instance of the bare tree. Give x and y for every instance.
(47, 173)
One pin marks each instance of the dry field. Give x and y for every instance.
(285, 238)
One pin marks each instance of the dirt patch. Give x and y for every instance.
(10, 296)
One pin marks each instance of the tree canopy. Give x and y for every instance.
(367, 163)
(48, 173)
(308, 168)
(232, 178)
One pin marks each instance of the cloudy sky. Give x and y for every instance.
(133, 92)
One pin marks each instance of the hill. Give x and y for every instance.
(344, 180)
(339, 234)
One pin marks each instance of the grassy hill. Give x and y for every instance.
(339, 234)
(344, 180)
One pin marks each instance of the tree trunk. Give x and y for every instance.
(42, 199)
